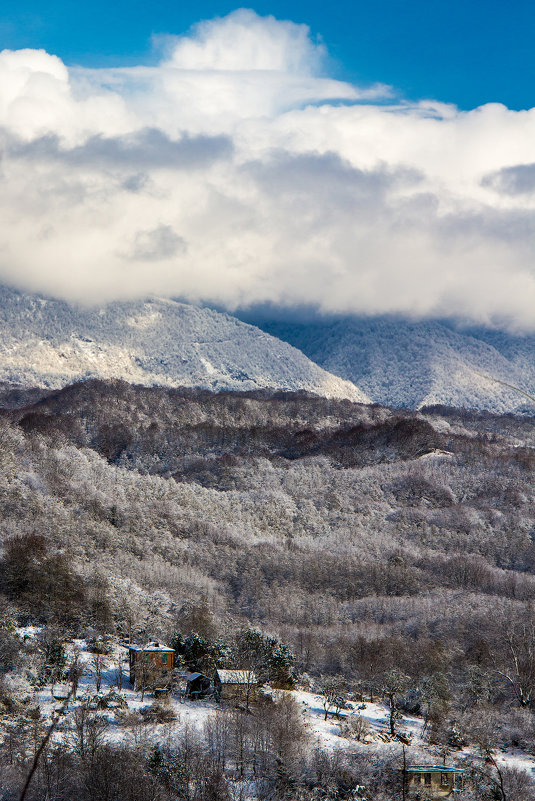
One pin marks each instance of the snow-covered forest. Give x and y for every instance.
(389, 554)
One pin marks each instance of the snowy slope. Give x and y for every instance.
(414, 364)
(50, 343)
(194, 715)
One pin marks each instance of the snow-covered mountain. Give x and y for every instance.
(415, 364)
(50, 343)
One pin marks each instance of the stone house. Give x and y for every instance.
(235, 685)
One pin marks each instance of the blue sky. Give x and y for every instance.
(467, 52)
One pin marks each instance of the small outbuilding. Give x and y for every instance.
(433, 782)
(151, 665)
(235, 685)
(198, 686)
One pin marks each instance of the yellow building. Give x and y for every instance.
(433, 782)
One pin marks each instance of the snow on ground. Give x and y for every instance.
(50, 699)
(28, 632)
(327, 732)
(194, 714)
(517, 759)
(376, 715)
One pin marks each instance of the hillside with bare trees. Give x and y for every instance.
(369, 542)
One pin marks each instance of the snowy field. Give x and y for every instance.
(192, 715)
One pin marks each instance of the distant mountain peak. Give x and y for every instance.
(50, 343)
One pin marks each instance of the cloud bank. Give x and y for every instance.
(237, 172)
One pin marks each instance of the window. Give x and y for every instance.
(427, 779)
(416, 778)
(444, 780)
(163, 659)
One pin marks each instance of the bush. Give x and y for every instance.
(355, 728)
(156, 713)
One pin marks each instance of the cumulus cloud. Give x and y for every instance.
(237, 171)
(264, 44)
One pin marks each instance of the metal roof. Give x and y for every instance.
(236, 676)
(434, 768)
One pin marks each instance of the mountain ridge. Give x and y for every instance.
(410, 364)
(153, 342)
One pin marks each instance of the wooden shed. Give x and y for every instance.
(198, 686)
(151, 665)
(235, 685)
(433, 782)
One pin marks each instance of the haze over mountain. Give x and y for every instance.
(414, 364)
(45, 342)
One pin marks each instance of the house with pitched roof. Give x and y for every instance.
(235, 685)
(151, 665)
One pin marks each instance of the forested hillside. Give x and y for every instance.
(413, 363)
(365, 540)
(46, 342)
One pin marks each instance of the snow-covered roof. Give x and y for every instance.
(236, 676)
(151, 646)
(193, 676)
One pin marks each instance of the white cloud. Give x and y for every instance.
(244, 42)
(236, 171)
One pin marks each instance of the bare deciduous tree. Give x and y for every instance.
(97, 665)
